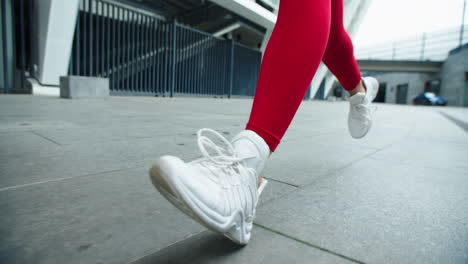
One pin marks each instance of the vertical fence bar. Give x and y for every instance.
(188, 49)
(103, 40)
(91, 38)
(190, 68)
(109, 53)
(118, 66)
(179, 70)
(165, 56)
(135, 51)
(231, 69)
(206, 41)
(96, 40)
(217, 67)
(196, 71)
(131, 51)
(423, 45)
(186, 57)
(201, 91)
(153, 55)
(202, 65)
(134, 61)
(212, 69)
(208, 66)
(126, 44)
(149, 54)
(162, 54)
(144, 54)
(120, 48)
(139, 52)
(23, 48)
(179, 65)
(157, 60)
(173, 75)
(462, 28)
(85, 37)
(199, 62)
(211, 57)
(78, 46)
(123, 63)
(115, 45)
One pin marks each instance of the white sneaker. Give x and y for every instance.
(219, 190)
(360, 109)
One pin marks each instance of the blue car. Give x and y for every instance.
(428, 98)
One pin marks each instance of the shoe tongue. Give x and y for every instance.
(245, 147)
(357, 98)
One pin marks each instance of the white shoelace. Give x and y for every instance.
(365, 109)
(224, 157)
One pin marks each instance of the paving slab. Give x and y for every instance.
(301, 162)
(74, 185)
(107, 218)
(85, 159)
(25, 145)
(446, 156)
(378, 213)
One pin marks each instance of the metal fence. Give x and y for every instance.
(142, 54)
(433, 46)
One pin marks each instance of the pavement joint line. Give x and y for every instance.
(14, 187)
(309, 244)
(282, 182)
(46, 138)
(103, 141)
(331, 173)
(460, 123)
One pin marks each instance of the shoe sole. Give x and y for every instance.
(233, 227)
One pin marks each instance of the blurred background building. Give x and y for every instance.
(148, 47)
(199, 47)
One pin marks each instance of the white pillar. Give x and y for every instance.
(353, 14)
(250, 10)
(53, 31)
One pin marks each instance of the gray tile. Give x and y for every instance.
(112, 218)
(379, 212)
(83, 159)
(25, 146)
(107, 218)
(443, 155)
(300, 162)
(113, 131)
(265, 247)
(275, 190)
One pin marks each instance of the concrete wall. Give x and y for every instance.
(453, 76)
(416, 84)
(53, 28)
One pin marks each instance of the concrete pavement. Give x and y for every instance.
(74, 186)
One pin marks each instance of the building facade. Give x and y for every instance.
(450, 82)
(145, 46)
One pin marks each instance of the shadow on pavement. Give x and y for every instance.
(205, 247)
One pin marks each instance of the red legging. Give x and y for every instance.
(306, 32)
